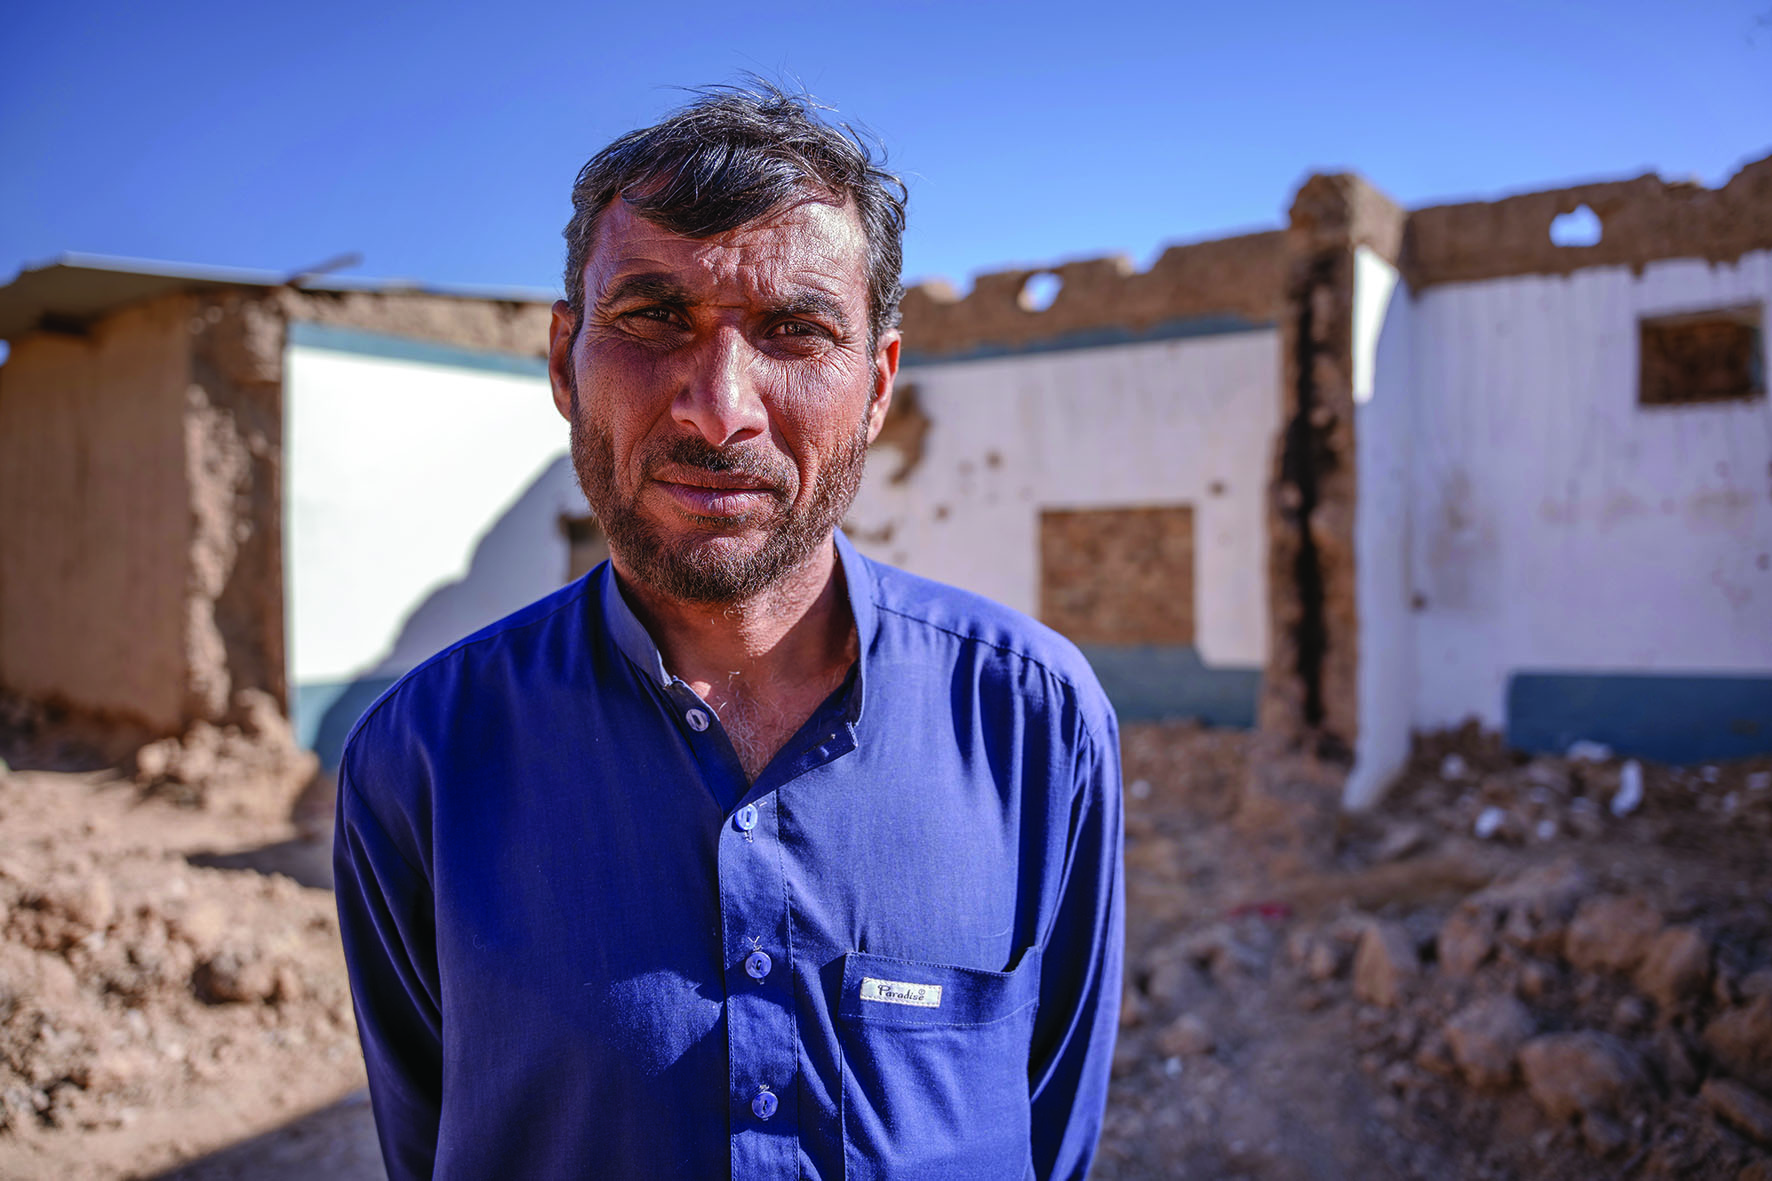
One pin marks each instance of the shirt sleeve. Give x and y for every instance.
(1073, 1046)
(386, 919)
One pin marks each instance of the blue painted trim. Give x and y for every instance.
(356, 341)
(1685, 718)
(1096, 338)
(1151, 682)
(323, 712)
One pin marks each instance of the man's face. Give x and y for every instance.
(722, 394)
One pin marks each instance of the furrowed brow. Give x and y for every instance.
(645, 288)
(814, 303)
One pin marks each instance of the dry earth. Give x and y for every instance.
(1576, 994)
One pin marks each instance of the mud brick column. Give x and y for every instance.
(1309, 699)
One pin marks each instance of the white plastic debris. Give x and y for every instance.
(1140, 789)
(1172, 1066)
(1489, 821)
(1453, 767)
(1759, 781)
(1731, 802)
(1583, 751)
(1546, 830)
(1629, 796)
(1709, 774)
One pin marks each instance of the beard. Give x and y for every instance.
(715, 568)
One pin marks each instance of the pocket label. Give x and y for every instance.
(898, 992)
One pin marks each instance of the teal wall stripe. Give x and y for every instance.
(1152, 682)
(323, 713)
(1686, 718)
(334, 338)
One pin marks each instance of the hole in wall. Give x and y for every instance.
(1038, 291)
(1579, 228)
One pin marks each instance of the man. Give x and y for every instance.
(742, 855)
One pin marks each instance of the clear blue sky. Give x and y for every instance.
(440, 139)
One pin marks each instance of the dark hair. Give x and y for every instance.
(735, 154)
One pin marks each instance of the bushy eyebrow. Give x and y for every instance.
(814, 303)
(646, 287)
(654, 287)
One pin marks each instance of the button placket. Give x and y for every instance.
(760, 1020)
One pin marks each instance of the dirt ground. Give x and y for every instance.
(1574, 993)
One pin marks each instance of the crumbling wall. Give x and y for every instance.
(1310, 691)
(1103, 300)
(234, 461)
(1641, 220)
(93, 552)
(500, 325)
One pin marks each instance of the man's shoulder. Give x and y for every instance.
(910, 601)
(510, 644)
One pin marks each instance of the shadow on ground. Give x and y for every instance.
(336, 1142)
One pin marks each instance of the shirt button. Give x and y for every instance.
(698, 720)
(763, 1106)
(758, 964)
(746, 818)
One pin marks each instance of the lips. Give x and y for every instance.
(716, 494)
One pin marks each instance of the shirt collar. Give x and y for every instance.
(636, 643)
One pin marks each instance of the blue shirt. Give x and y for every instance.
(582, 945)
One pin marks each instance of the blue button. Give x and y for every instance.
(758, 964)
(763, 1106)
(747, 817)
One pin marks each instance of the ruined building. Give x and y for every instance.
(1374, 472)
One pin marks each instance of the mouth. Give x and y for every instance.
(728, 495)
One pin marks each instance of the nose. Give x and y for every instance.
(719, 398)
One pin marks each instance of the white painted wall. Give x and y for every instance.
(1140, 424)
(1557, 524)
(1384, 427)
(421, 502)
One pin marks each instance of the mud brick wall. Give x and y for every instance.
(1235, 278)
(1642, 220)
(1118, 575)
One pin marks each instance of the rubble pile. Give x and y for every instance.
(1513, 968)
(152, 1008)
(251, 766)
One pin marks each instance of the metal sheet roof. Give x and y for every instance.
(78, 289)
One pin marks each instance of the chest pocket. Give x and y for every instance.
(935, 1069)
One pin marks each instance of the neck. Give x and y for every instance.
(764, 663)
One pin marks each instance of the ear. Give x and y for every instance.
(885, 372)
(562, 335)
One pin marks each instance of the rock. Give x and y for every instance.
(1611, 933)
(234, 978)
(1485, 1037)
(1537, 978)
(1453, 768)
(1572, 1074)
(1401, 840)
(1629, 796)
(86, 900)
(1674, 1061)
(1676, 968)
(1741, 1041)
(1739, 1107)
(1465, 940)
(1631, 1012)
(1756, 983)
(1385, 964)
(1535, 905)
(1602, 1134)
(1185, 1037)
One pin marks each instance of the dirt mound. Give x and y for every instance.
(152, 1008)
